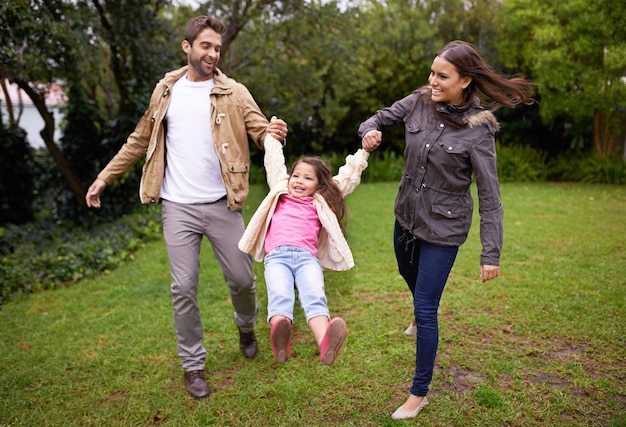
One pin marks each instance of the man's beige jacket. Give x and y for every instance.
(235, 119)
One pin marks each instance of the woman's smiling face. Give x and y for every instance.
(446, 82)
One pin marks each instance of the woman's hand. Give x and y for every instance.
(371, 140)
(488, 272)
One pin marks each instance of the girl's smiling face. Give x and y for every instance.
(303, 180)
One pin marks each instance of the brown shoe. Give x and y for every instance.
(196, 385)
(248, 344)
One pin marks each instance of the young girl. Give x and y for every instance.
(297, 231)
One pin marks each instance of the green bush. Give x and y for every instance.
(517, 163)
(566, 168)
(44, 255)
(386, 166)
(602, 170)
(589, 168)
(16, 177)
(382, 166)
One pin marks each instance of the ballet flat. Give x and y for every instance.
(411, 330)
(403, 415)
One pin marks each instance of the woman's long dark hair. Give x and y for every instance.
(503, 91)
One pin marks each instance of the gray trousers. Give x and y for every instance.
(184, 226)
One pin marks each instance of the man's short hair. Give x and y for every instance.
(198, 24)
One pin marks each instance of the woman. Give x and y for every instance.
(449, 137)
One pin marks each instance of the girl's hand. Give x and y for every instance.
(488, 272)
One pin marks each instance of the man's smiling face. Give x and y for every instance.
(203, 55)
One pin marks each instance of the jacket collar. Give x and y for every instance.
(471, 114)
(223, 84)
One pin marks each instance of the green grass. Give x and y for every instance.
(542, 345)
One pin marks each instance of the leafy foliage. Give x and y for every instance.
(322, 66)
(384, 166)
(520, 163)
(45, 255)
(577, 56)
(108, 56)
(16, 177)
(589, 168)
(327, 67)
(604, 170)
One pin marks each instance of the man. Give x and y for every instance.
(194, 135)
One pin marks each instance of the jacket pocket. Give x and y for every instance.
(451, 211)
(450, 224)
(412, 126)
(454, 147)
(450, 216)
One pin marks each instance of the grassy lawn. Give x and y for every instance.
(543, 345)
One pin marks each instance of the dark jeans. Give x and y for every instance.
(425, 268)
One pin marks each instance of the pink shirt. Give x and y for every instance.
(294, 223)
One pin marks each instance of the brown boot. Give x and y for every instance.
(248, 344)
(196, 385)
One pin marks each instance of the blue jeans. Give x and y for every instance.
(425, 268)
(288, 268)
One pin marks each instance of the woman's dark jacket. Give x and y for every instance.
(434, 201)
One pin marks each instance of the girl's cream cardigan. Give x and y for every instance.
(333, 250)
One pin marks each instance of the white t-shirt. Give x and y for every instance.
(192, 172)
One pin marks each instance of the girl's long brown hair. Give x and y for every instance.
(327, 188)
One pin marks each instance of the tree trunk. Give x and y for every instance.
(621, 138)
(603, 141)
(47, 134)
(9, 105)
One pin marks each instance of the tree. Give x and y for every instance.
(304, 69)
(16, 177)
(474, 21)
(327, 66)
(239, 14)
(34, 47)
(108, 55)
(576, 53)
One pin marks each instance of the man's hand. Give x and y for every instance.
(93, 194)
(277, 128)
